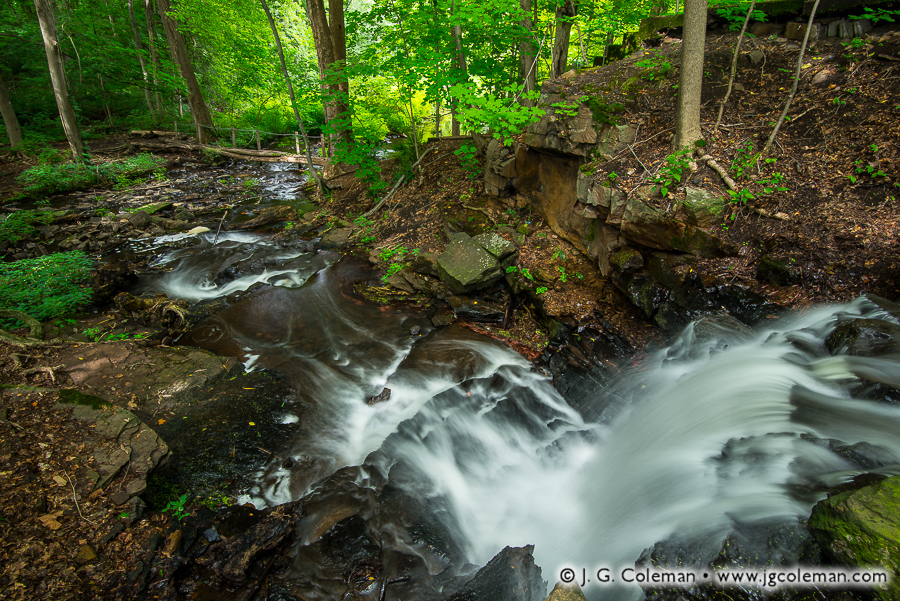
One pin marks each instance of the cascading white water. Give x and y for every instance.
(711, 430)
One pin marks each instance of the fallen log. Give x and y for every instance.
(269, 156)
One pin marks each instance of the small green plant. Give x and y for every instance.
(656, 66)
(48, 286)
(250, 183)
(46, 179)
(392, 269)
(94, 334)
(877, 14)
(177, 507)
(20, 225)
(735, 15)
(466, 154)
(673, 170)
(563, 277)
(540, 289)
(565, 109)
(523, 270)
(744, 159)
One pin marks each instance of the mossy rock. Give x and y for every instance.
(775, 272)
(861, 528)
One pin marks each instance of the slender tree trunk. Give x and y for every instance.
(330, 70)
(9, 117)
(58, 78)
(287, 79)
(200, 112)
(154, 53)
(527, 55)
(139, 46)
(790, 99)
(687, 116)
(734, 61)
(459, 65)
(564, 15)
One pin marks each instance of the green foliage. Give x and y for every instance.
(540, 289)
(177, 507)
(466, 154)
(20, 225)
(603, 111)
(503, 116)
(744, 159)
(52, 178)
(361, 151)
(48, 286)
(673, 170)
(878, 14)
(656, 66)
(565, 108)
(735, 15)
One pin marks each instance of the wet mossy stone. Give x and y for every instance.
(864, 337)
(861, 528)
(76, 397)
(775, 272)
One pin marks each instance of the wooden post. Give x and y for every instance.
(297, 142)
(258, 147)
(176, 130)
(233, 139)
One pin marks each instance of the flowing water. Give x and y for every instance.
(716, 429)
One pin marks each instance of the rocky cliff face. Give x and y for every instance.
(627, 232)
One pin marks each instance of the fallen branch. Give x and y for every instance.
(389, 194)
(720, 170)
(44, 368)
(35, 335)
(486, 214)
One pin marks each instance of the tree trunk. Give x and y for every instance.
(154, 54)
(58, 78)
(202, 118)
(687, 117)
(9, 117)
(139, 46)
(330, 70)
(527, 56)
(459, 63)
(287, 79)
(564, 14)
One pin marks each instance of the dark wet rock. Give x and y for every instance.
(268, 216)
(775, 272)
(862, 528)
(443, 318)
(140, 219)
(477, 310)
(465, 265)
(111, 278)
(510, 576)
(381, 397)
(232, 558)
(865, 455)
(864, 337)
(777, 544)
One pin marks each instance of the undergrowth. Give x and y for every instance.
(45, 287)
(53, 177)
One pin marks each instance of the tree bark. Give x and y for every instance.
(331, 74)
(527, 56)
(9, 117)
(564, 14)
(734, 61)
(139, 46)
(154, 54)
(58, 78)
(287, 79)
(687, 117)
(459, 63)
(200, 112)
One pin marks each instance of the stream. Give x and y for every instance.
(439, 447)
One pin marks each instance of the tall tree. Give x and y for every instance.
(9, 117)
(154, 53)
(287, 79)
(58, 78)
(202, 118)
(327, 36)
(687, 116)
(564, 15)
(139, 46)
(527, 55)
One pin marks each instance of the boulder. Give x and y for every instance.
(465, 265)
(861, 528)
(140, 219)
(510, 576)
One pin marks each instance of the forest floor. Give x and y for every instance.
(839, 162)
